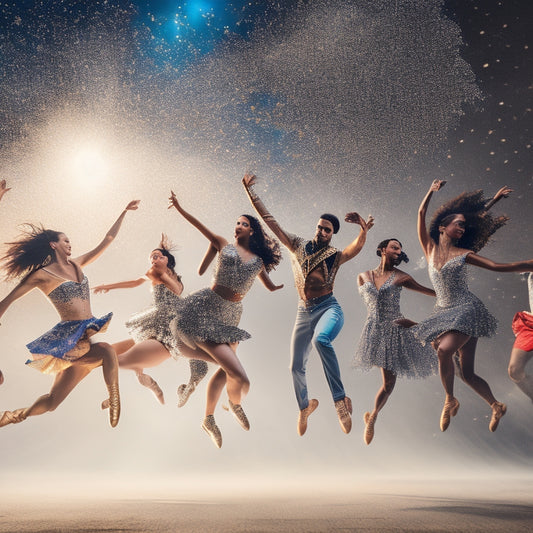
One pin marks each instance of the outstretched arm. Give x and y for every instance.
(89, 257)
(504, 192)
(267, 281)
(26, 285)
(356, 246)
(423, 235)
(483, 262)
(216, 240)
(130, 284)
(210, 254)
(3, 188)
(249, 181)
(412, 284)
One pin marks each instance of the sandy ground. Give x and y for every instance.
(485, 507)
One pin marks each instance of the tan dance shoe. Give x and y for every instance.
(344, 412)
(114, 404)
(210, 427)
(150, 383)
(369, 427)
(450, 409)
(239, 414)
(498, 410)
(304, 415)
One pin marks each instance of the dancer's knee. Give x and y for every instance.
(516, 373)
(320, 341)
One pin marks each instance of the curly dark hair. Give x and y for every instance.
(262, 245)
(30, 252)
(385, 243)
(480, 225)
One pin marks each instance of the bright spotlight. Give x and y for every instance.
(88, 165)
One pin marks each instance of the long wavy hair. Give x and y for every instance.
(261, 244)
(30, 251)
(165, 247)
(480, 224)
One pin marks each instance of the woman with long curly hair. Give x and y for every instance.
(208, 319)
(151, 341)
(458, 230)
(385, 341)
(41, 257)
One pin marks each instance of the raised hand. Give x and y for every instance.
(437, 185)
(504, 192)
(3, 188)
(133, 205)
(249, 179)
(173, 200)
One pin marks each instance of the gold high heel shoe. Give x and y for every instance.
(239, 414)
(150, 383)
(210, 427)
(498, 410)
(114, 404)
(369, 429)
(450, 409)
(12, 417)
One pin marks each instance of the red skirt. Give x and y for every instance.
(523, 329)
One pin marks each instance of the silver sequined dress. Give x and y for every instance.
(457, 309)
(206, 316)
(154, 322)
(386, 345)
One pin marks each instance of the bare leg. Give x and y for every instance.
(466, 359)
(214, 390)
(64, 383)
(446, 346)
(103, 354)
(389, 380)
(237, 383)
(517, 371)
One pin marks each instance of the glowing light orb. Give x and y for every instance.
(88, 165)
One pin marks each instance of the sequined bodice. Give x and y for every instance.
(450, 281)
(383, 304)
(163, 297)
(72, 299)
(232, 272)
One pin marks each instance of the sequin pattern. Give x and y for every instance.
(386, 345)
(457, 309)
(206, 316)
(154, 322)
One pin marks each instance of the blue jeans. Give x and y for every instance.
(317, 324)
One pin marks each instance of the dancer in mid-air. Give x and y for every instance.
(386, 341)
(41, 258)
(152, 342)
(522, 351)
(320, 317)
(208, 319)
(459, 229)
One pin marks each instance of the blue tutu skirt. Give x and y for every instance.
(65, 343)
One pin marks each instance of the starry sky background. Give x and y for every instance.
(337, 106)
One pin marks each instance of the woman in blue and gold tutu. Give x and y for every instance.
(209, 318)
(386, 342)
(459, 229)
(41, 258)
(152, 341)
